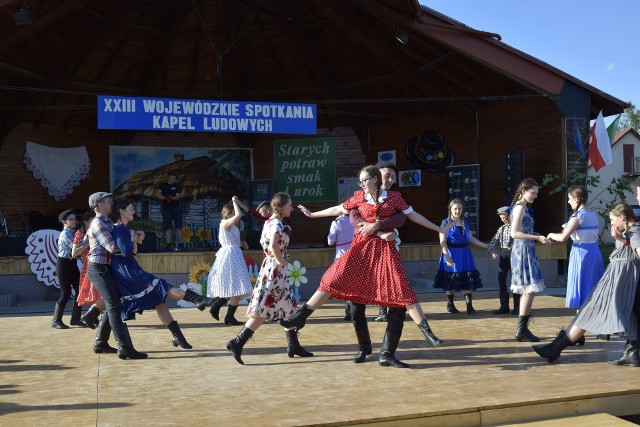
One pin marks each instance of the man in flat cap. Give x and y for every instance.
(504, 240)
(101, 248)
(67, 272)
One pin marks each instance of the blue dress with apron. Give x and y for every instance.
(585, 261)
(463, 274)
(139, 290)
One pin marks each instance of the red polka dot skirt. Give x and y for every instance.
(370, 272)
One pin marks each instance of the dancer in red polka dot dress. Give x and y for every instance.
(371, 271)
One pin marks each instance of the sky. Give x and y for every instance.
(594, 41)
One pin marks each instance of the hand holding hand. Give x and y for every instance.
(367, 228)
(244, 245)
(494, 256)
(389, 236)
(543, 240)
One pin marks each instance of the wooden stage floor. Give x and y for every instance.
(480, 376)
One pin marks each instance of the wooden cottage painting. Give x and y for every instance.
(209, 178)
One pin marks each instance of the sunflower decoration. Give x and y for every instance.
(187, 234)
(199, 275)
(296, 274)
(198, 272)
(204, 234)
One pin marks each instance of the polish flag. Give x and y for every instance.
(600, 146)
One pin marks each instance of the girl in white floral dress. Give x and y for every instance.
(272, 297)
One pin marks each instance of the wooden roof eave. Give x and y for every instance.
(534, 73)
(529, 71)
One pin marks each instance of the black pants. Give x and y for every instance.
(68, 277)
(395, 322)
(504, 266)
(101, 277)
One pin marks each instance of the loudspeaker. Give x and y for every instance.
(515, 171)
(150, 243)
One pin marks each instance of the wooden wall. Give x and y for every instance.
(24, 194)
(534, 126)
(531, 125)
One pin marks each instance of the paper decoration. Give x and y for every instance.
(386, 157)
(42, 249)
(410, 178)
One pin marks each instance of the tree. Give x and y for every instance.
(617, 188)
(630, 118)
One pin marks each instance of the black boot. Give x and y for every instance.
(562, 332)
(76, 312)
(230, 318)
(298, 319)
(516, 305)
(199, 300)
(552, 351)
(90, 317)
(56, 322)
(630, 355)
(215, 308)
(347, 310)
(293, 345)
(101, 344)
(126, 351)
(468, 298)
(382, 314)
(364, 345)
(428, 333)
(523, 333)
(504, 303)
(178, 337)
(235, 345)
(387, 352)
(451, 308)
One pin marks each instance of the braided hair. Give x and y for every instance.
(580, 194)
(374, 171)
(525, 185)
(278, 201)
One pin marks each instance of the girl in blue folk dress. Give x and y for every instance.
(140, 290)
(526, 276)
(457, 269)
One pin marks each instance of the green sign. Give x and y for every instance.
(306, 168)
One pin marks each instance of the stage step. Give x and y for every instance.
(592, 420)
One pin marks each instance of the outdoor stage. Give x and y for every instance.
(480, 376)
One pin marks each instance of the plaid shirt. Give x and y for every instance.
(65, 241)
(502, 238)
(101, 243)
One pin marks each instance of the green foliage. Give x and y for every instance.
(630, 118)
(617, 188)
(574, 177)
